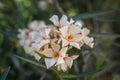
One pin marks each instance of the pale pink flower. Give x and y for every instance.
(55, 55)
(36, 25)
(70, 36)
(42, 37)
(85, 39)
(62, 22)
(68, 61)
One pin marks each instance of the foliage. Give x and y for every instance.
(100, 16)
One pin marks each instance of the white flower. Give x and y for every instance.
(68, 63)
(23, 36)
(79, 24)
(53, 42)
(55, 35)
(29, 50)
(85, 39)
(55, 55)
(62, 22)
(70, 35)
(89, 41)
(42, 37)
(36, 25)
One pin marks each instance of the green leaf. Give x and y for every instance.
(81, 74)
(91, 72)
(100, 61)
(93, 14)
(105, 35)
(106, 19)
(29, 61)
(4, 74)
(41, 55)
(1, 38)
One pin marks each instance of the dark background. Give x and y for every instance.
(102, 17)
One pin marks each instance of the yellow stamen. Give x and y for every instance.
(70, 37)
(56, 55)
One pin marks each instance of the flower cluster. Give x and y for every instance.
(54, 41)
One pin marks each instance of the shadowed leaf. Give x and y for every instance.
(40, 54)
(106, 19)
(94, 14)
(30, 61)
(105, 35)
(4, 74)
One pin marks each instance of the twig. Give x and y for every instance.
(43, 75)
(58, 7)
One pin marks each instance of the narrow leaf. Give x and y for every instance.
(82, 74)
(40, 54)
(106, 19)
(29, 61)
(93, 14)
(105, 35)
(91, 72)
(4, 74)
(1, 38)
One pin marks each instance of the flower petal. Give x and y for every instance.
(64, 42)
(91, 45)
(63, 51)
(69, 61)
(49, 62)
(55, 47)
(55, 20)
(71, 21)
(79, 24)
(36, 46)
(37, 57)
(44, 42)
(74, 57)
(47, 31)
(74, 30)
(77, 30)
(64, 31)
(76, 45)
(86, 40)
(34, 35)
(60, 60)
(71, 30)
(77, 37)
(63, 21)
(63, 67)
(48, 52)
(85, 31)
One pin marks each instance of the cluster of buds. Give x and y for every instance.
(53, 42)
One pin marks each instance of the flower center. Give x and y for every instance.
(70, 37)
(44, 38)
(56, 55)
(57, 36)
(59, 26)
(42, 48)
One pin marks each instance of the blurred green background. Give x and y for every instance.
(102, 17)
